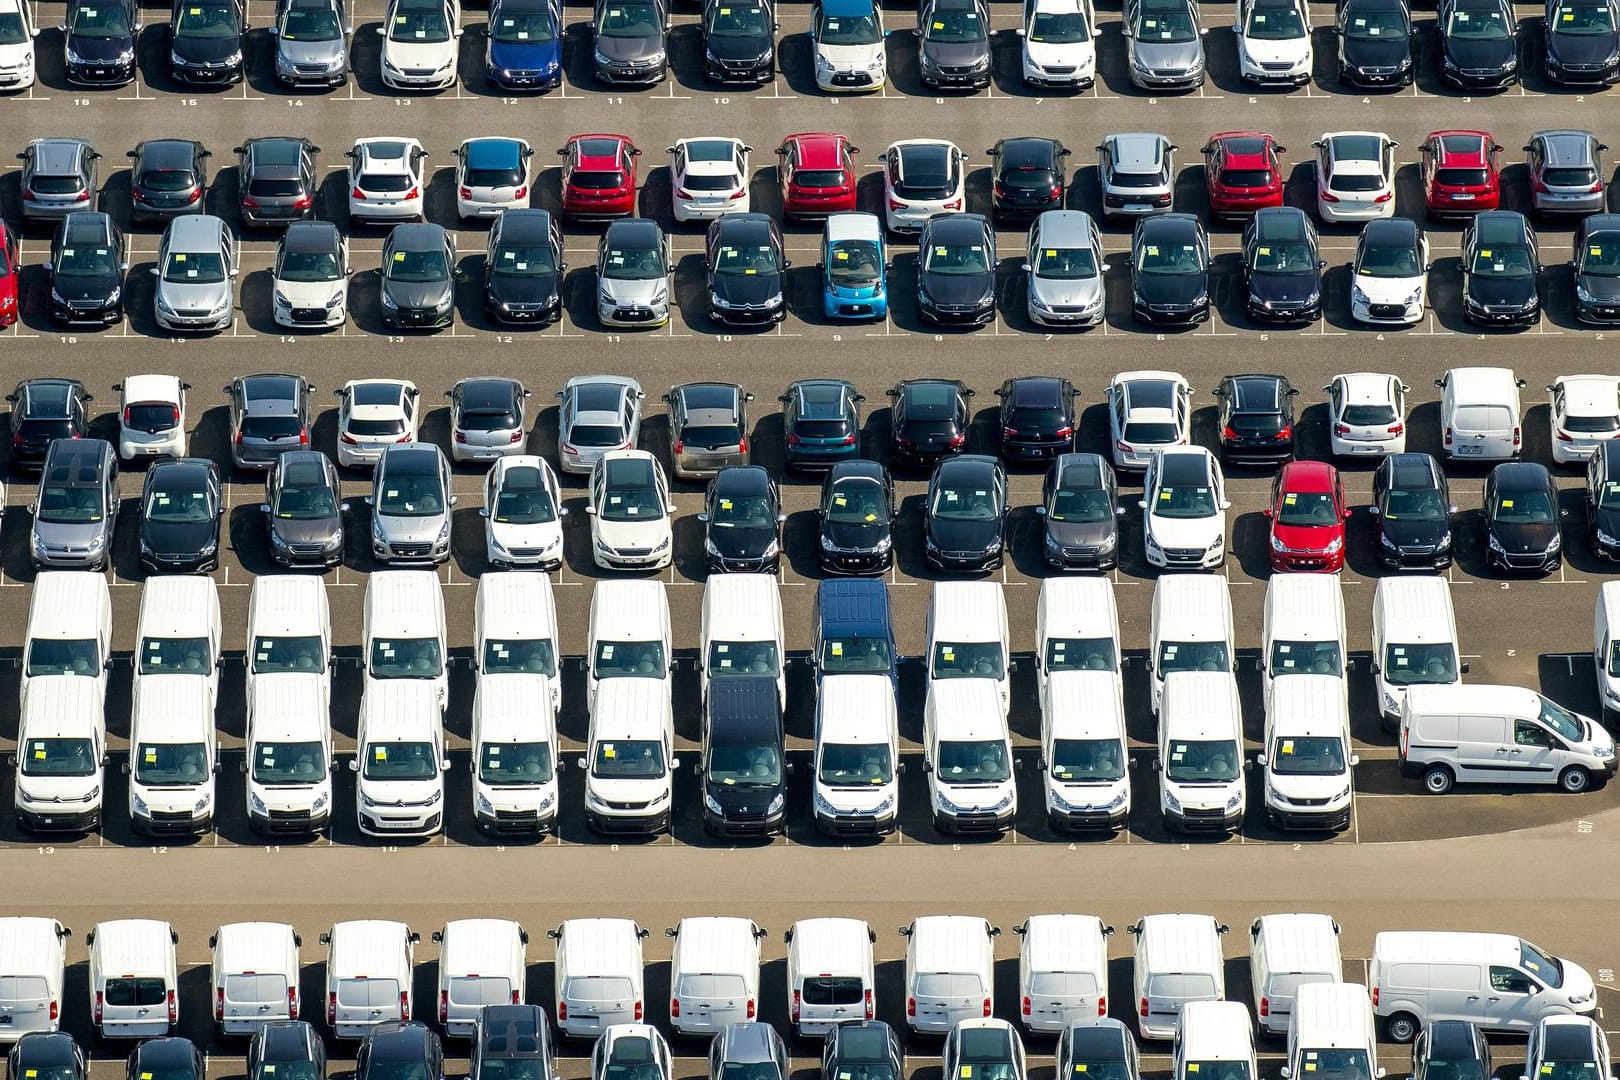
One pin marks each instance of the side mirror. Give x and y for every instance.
(1260, 759)
(381, 31)
(1355, 759)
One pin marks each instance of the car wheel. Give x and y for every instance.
(1574, 780)
(1402, 1027)
(1437, 780)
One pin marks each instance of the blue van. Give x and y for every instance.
(854, 634)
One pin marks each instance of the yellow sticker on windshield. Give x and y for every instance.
(179, 258)
(399, 256)
(869, 517)
(39, 753)
(1310, 1066)
(1595, 250)
(1265, 251)
(1051, 253)
(725, 504)
(750, 272)
(949, 653)
(939, 251)
(967, 1072)
(1484, 253)
(1547, 1068)
(1288, 746)
(728, 781)
(1164, 496)
(609, 750)
(151, 756)
(30, 1073)
(1151, 250)
(838, 648)
(1290, 499)
(1507, 504)
(380, 753)
(939, 26)
(841, 256)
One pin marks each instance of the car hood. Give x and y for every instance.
(1066, 292)
(738, 47)
(1606, 521)
(524, 55)
(1170, 288)
(177, 538)
(308, 530)
(526, 536)
(1072, 533)
(1583, 48)
(1284, 51)
(1387, 290)
(68, 534)
(956, 53)
(1307, 537)
(630, 48)
(62, 789)
(1415, 533)
(742, 798)
(505, 289)
(80, 287)
(409, 54)
(417, 294)
(1488, 54)
(627, 789)
(1519, 538)
(1367, 53)
(400, 529)
(1600, 286)
(178, 799)
(1078, 54)
(631, 534)
(742, 543)
(1303, 285)
(1186, 532)
(392, 792)
(306, 294)
(179, 295)
(98, 49)
(1169, 55)
(859, 292)
(853, 536)
(852, 57)
(1322, 788)
(957, 288)
(949, 534)
(310, 52)
(206, 50)
(630, 292)
(746, 288)
(1501, 290)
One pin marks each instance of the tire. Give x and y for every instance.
(1402, 1027)
(1574, 780)
(1437, 780)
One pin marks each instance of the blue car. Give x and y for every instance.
(524, 50)
(821, 423)
(854, 273)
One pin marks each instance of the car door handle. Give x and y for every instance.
(1474, 997)
(1515, 750)
(1501, 749)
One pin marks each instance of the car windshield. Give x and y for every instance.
(1206, 761)
(1305, 658)
(1479, 25)
(1409, 665)
(615, 659)
(278, 654)
(420, 26)
(310, 266)
(1375, 24)
(1308, 508)
(99, 20)
(742, 765)
(1066, 264)
(628, 759)
(955, 27)
(400, 761)
(194, 268)
(1583, 19)
(418, 266)
(97, 262)
(1562, 721)
(289, 763)
(856, 655)
(1185, 502)
(850, 30)
(957, 259)
(856, 501)
(1169, 259)
(632, 502)
(1192, 656)
(209, 21)
(304, 503)
(855, 262)
(58, 656)
(738, 20)
(629, 19)
(311, 24)
(742, 511)
(1504, 262)
(633, 264)
(523, 260)
(171, 764)
(1415, 504)
(1275, 24)
(855, 764)
(406, 658)
(1079, 505)
(746, 261)
(1308, 755)
(167, 655)
(966, 504)
(1081, 654)
(1076, 761)
(1524, 508)
(1601, 257)
(532, 656)
(69, 505)
(522, 27)
(969, 660)
(1287, 257)
(1340, 1064)
(1167, 27)
(727, 658)
(58, 757)
(1389, 261)
(1544, 966)
(410, 496)
(1058, 28)
(515, 764)
(179, 506)
(527, 505)
(973, 761)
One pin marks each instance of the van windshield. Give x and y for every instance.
(52, 657)
(275, 654)
(1562, 721)
(857, 655)
(1077, 761)
(1217, 1070)
(628, 759)
(1310, 755)
(1305, 658)
(172, 764)
(745, 765)
(1081, 654)
(855, 764)
(1408, 665)
(531, 656)
(519, 764)
(131, 991)
(290, 764)
(968, 660)
(1193, 656)
(1203, 761)
(406, 658)
(58, 757)
(1549, 969)
(616, 659)
(1340, 1064)
(743, 658)
(973, 761)
(168, 655)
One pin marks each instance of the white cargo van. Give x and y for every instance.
(967, 636)
(368, 975)
(515, 633)
(1200, 762)
(1076, 627)
(1178, 960)
(173, 756)
(1306, 754)
(969, 758)
(857, 756)
(288, 768)
(33, 959)
(1083, 752)
(830, 975)
(69, 629)
(1286, 952)
(713, 974)
(1496, 981)
(1214, 1042)
(1480, 734)
(597, 976)
(1414, 641)
(134, 984)
(289, 631)
(1332, 1033)
(1480, 415)
(404, 631)
(1303, 629)
(629, 635)
(514, 752)
(742, 630)
(950, 971)
(61, 755)
(1606, 647)
(254, 975)
(630, 757)
(1191, 628)
(179, 631)
(1062, 971)
(481, 962)
(399, 759)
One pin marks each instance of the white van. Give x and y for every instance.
(1499, 735)
(713, 974)
(69, 629)
(1084, 758)
(134, 984)
(1076, 627)
(1178, 960)
(1214, 1042)
(61, 755)
(1062, 971)
(404, 631)
(1307, 756)
(597, 975)
(288, 768)
(950, 971)
(368, 975)
(1480, 415)
(830, 974)
(1606, 647)
(481, 962)
(1414, 641)
(254, 975)
(1200, 762)
(742, 630)
(1287, 952)
(514, 751)
(967, 636)
(515, 633)
(179, 631)
(1496, 981)
(630, 760)
(629, 635)
(969, 758)
(857, 756)
(1332, 1033)
(33, 960)
(289, 631)
(173, 756)
(399, 759)
(1191, 628)
(1302, 632)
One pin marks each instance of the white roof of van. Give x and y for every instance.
(966, 709)
(173, 604)
(1215, 714)
(1192, 607)
(517, 607)
(1308, 705)
(956, 942)
(1225, 1032)
(630, 708)
(973, 610)
(834, 941)
(289, 706)
(66, 604)
(396, 599)
(1179, 943)
(366, 947)
(515, 707)
(1084, 705)
(134, 946)
(751, 603)
(1416, 609)
(400, 709)
(1442, 946)
(1331, 1015)
(850, 708)
(1311, 606)
(1079, 607)
(725, 938)
(28, 943)
(1066, 943)
(287, 605)
(1473, 697)
(61, 705)
(609, 944)
(172, 708)
(1300, 941)
(633, 610)
(1482, 385)
(480, 947)
(257, 946)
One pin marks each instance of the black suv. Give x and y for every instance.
(42, 410)
(1257, 417)
(1412, 506)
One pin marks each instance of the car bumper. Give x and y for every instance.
(968, 823)
(1586, 75)
(465, 452)
(1178, 81)
(875, 308)
(291, 558)
(1470, 80)
(103, 315)
(396, 81)
(57, 820)
(1521, 317)
(289, 823)
(1074, 80)
(743, 317)
(196, 325)
(415, 554)
(274, 220)
(408, 319)
(1571, 204)
(947, 80)
(516, 822)
(290, 75)
(1221, 821)
(214, 76)
(1256, 76)
(1386, 314)
(1079, 317)
(1185, 559)
(742, 828)
(310, 318)
(101, 74)
(1287, 562)
(632, 317)
(171, 825)
(1088, 558)
(811, 460)
(1308, 819)
(719, 565)
(1273, 314)
(61, 559)
(393, 211)
(1376, 80)
(1428, 559)
(751, 75)
(856, 562)
(1268, 452)
(523, 80)
(631, 76)
(856, 825)
(960, 562)
(1525, 564)
(1188, 316)
(651, 561)
(619, 824)
(939, 316)
(413, 824)
(1072, 821)
(178, 564)
(849, 82)
(1034, 451)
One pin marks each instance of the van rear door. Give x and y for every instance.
(135, 1006)
(594, 1002)
(943, 998)
(1056, 998)
(1277, 998)
(1167, 993)
(1483, 431)
(25, 1005)
(710, 1002)
(467, 995)
(250, 996)
(363, 1002)
(830, 999)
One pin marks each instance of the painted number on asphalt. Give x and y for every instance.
(1605, 975)
(1583, 827)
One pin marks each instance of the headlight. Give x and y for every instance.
(777, 803)
(1335, 545)
(709, 546)
(1038, 304)
(546, 801)
(1390, 704)
(712, 804)
(722, 304)
(823, 806)
(1445, 542)
(875, 65)
(1235, 801)
(981, 63)
(435, 797)
(1511, 65)
(58, 298)
(592, 799)
(377, 532)
(1051, 542)
(445, 300)
(1119, 800)
(256, 804)
(662, 295)
(1345, 794)
(599, 57)
(1170, 800)
(176, 59)
(444, 532)
(822, 63)
(388, 301)
(1417, 294)
(1004, 802)
(367, 800)
(281, 300)
(827, 544)
(140, 804)
(772, 548)
(1358, 296)
(483, 805)
(97, 543)
(928, 63)
(209, 548)
(335, 302)
(883, 544)
(75, 58)
(202, 803)
(1557, 542)
(223, 306)
(1388, 543)
(1278, 545)
(163, 305)
(1496, 545)
(320, 802)
(1607, 540)
(1581, 294)
(661, 545)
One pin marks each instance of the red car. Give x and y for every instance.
(817, 172)
(1307, 515)
(599, 176)
(10, 276)
(1242, 173)
(1460, 173)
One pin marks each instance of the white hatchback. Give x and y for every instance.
(523, 514)
(1366, 414)
(420, 44)
(1059, 43)
(1585, 412)
(385, 179)
(492, 175)
(1184, 509)
(709, 178)
(630, 512)
(1147, 411)
(921, 178)
(17, 33)
(1274, 42)
(1355, 176)
(151, 416)
(373, 414)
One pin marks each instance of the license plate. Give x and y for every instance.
(1467, 450)
(1463, 198)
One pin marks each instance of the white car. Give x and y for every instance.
(151, 416)
(17, 33)
(492, 175)
(523, 514)
(1273, 42)
(921, 178)
(385, 179)
(1147, 411)
(1184, 509)
(1366, 414)
(847, 46)
(373, 414)
(1059, 43)
(1355, 176)
(630, 512)
(709, 178)
(1585, 412)
(310, 280)
(1389, 277)
(420, 44)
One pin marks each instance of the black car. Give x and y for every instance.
(956, 270)
(1170, 266)
(856, 516)
(965, 516)
(1582, 42)
(746, 270)
(1501, 270)
(303, 510)
(43, 410)
(743, 512)
(1412, 507)
(286, 1050)
(1105, 1048)
(277, 180)
(169, 178)
(744, 780)
(418, 277)
(180, 512)
(86, 270)
(1038, 418)
(511, 1042)
(1028, 176)
(1521, 518)
(1596, 265)
(394, 1050)
(1079, 511)
(953, 43)
(1446, 1050)
(864, 1049)
(1479, 44)
(1603, 500)
(47, 1055)
(928, 419)
(1256, 415)
(98, 41)
(172, 1058)
(1375, 44)
(739, 41)
(1282, 266)
(205, 46)
(524, 268)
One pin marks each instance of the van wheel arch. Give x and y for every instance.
(1437, 780)
(1575, 780)
(1402, 1027)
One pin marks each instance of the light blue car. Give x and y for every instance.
(854, 270)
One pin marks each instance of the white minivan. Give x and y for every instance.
(253, 975)
(857, 756)
(1288, 951)
(178, 632)
(1481, 418)
(1191, 628)
(134, 981)
(403, 631)
(629, 636)
(33, 959)
(1213, 1041)
(481, 962)
(968, 758)
(514, 752)
(69, 630)
(399, 760)
(742, 630)
(369, 964)
(1302, 632)
(597, 978)
(1306, 754)
(1200, 762)
(289, 631)
(288, 768)
(61, 756)
(1484, 734)
(173, 756)
(630, 760)
(1178, 960)
(1084, 759)
(714, 973)
(967, 636)
(1606, 647)
(1414, 640)
(1076, 627)
(515, 633)
(1332, 1033)
(830, 974)
(1062, 971)
(950, 971)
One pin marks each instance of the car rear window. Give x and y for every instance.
(368, 993)
(55, 185)
(1063, 983)
(1367, 415)
(822, 429)
(710, 182)
(711, 437)
(376, 427)
(275, 188)
(1461, 177)
(254, 989)
(712, 986)
(128, 991)
(833, 990)
(595, 435)
(383, 183)
(1569, 177)
(22, 988)
(596, 181)
(817, 178)
(598, 988)
(270, 427)
(1246, 178)
(944, 985)
(1181, 986)
(1356, 182)
(151, 417)
(476, 990)
(494, 177)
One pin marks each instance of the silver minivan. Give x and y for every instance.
(76, 508)
(196, 268)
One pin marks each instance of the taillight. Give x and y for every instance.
(517, 436)
(238, 438)
(911, 1007)
(174, 1008)
(303, 202)
(28, 193)
(896, 204)
(1063, 433)
(793, 1008)
(953, 204)
(331, 1007)
(84, 196)
(521, 193)
(414, 193)
(742, 445)
(1564, 436)
(1375, 997)
(196, 193)
(1397, 429)
(1517, 436)
(1028, 1006)
(1001, 189)
(348, 440)
(562, 1010)
(219, 1003)
(1384, 197)
(871, 1007)
(461, 436)
(56, 1009)
(127, 414)
(95, 1009)
(794, 440)
(1448, 436)
(1595, 189)
(357, 194)
(1341, 429)
(1329, 197)
(1161, 200)
(515, 996)
(249, 203)
(1102, 1004)
(682, 193)
(292, 1002)
(679, 446)
(750, 1014)
(1265, 1006)
(1122, 446)
(465, 192)
(1144, 1007)
(1541, 186)
(1009, 432)
(987, 1006)
(849, 440)
(404, 438)
(1228, 432)
(444, 1005)
(740, 193)
(303, 436)
(637, 1013)
(404, 1005)
(674, 1006)
(1287, 432)
(957, 440)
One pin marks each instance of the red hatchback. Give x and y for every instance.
(817, 172)
(1460, 173)
(1242, 173)
(10, 276)
(599, 176)
(1307, 515)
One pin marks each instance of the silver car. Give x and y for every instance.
(633, 267)
(1065, 267)
(598, 413)
(1567, 172)
(1165, 44)
(708, 428)
(1137, 173)
(410, 504)
(312, 43)
(486, 418)
(76, 509)
(58, 177)
(195, 271)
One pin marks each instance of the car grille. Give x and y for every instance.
(418, 316)
(955, 70)
(754, 313)
(1416, 551)
(308, 549)
(524, 553)
(855, 309)
(626, 806)
(417, 73)
(382, 824)
(1069, 70)
(1528, 562)
(289, 816)
(1309, 802)
(1169, 309)
(976, 822)
(853, 826)
(1276, 66)
(1386, 311)
(308, 314)
(192, 314)
(172, 819)
(410, 551)
(310, 69)
(1184, 556)
(1582, 67)
(517, 817)
(1086, 552)
(1196, 820)
(632, 553)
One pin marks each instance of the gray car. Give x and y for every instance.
(1137, 173)
(58, 177)
(410, 504)
(418, 277)
(303, 511)
(633, 267)
(1065, 267)
(953, 43)
(708, 428)
(312, 43)
(196, 266)
(748, 1048)
(486, 418)
(269, 417)
(1165, 44)
(630, 41)
(278, 180)
(1567, 172)
(76, 509)
(597, 413)
(1080, 510)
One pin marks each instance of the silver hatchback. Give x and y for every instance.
(1567, 173)
(708, 428)
(410, 504)
(196, 270)
(58, 177)
(76, 509)
(1065, 267)
(1137, 172)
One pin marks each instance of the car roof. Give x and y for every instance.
(708, 395)
(195, 232)
(1245, 149)
(1257, 393)
(930, 393)
(633, 233)
(1566, 146)
(488, 392)
(386, 153)
(1589, 395)
(303, 468)
(965, 469)
(166, 154)
(1035, 391)
(1390, 231)
(187, 470)
(848, 7)
(820, 149)
(1137, 151)
(87, 227)
(751, 229)
(276, 150)
(73, 462)
(1501, 227)
(1307, 476)
(1103, 1041)
(1180, 466)
(1355, 145)
(710, 148)
(923, 153)
(1521, 476)
(46, 399)
(530, 224)
(1462, 147)
(170, 1051)
(822, 398)
(1168, 229)
(312, 235)
(410, 459)
(286, 1040)
(749, 1042)
(599, 151)
(957, 228)
(1149, 393)
(417, 236)
(1367, 388)
(493, 153)
(1281, 223)
(1080, 471)
(269, 395)
(376, 392)
(1412, 470)
(856, 468)
(854, 225)
(54, 156)
(1066, 228)
(1027, 152)
(743, 479)
(1452, 1039)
